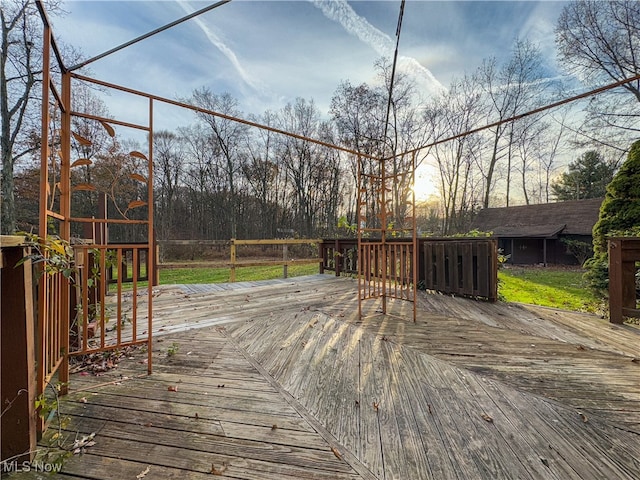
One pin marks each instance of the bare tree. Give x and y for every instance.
(450, 114)
(21, 72)
(229, 137)
(404, 132)
(358, 116)
(168, 163)
(510, 89)
(599, 42)
(300, 160)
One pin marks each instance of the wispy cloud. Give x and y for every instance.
(341, 12)
(217, 42)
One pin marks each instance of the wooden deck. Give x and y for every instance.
(281, 380)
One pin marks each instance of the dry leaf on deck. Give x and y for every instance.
(144, 472)
(173, 388)
(487, 418)
(583, 417)
(336, 453)
(218, 471)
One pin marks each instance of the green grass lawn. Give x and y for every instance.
(562, 288)
(221, 275)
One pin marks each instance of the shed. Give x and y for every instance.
(534, 234)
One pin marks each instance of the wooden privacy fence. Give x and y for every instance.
(460, 266)
(624, 253)
(467, 267)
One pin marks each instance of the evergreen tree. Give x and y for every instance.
(587, 178)
(619, 215)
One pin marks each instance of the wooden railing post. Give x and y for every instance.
(18, 386)
(233, 261)
(322, 253)
(337, 254)
(623, 253)
(615, 281)
(285, 259)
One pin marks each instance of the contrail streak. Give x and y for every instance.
(341, 12)
(224, 49)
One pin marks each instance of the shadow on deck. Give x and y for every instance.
(281, 380)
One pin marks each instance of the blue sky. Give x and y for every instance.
(267, 53)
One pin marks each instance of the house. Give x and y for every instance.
(534, 234)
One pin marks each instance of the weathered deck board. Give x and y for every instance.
(471, 390)
(472, 439)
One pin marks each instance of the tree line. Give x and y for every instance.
(218, 179)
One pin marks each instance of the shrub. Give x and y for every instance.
(619, 216)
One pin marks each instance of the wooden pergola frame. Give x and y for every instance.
(392, 277)
(376, 241)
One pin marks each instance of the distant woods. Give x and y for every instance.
(216, 179)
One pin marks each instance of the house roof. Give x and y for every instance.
(573, 217)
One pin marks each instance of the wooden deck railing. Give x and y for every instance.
(461, 266)
(232, 252)
(339, 255)
(285, 262)
(135, 263)
(624, 252)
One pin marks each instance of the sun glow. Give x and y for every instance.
(426, 183)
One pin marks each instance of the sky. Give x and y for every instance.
(267, 53)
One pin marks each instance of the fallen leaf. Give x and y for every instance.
(172, 388)
(580, 347)
(336, 453)
(376, 405)
(487, 418)
(218, 471)
(85, 442)
(197, 417)
(83, 399)
(274, 427)
(144, 472)
(583, 417)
